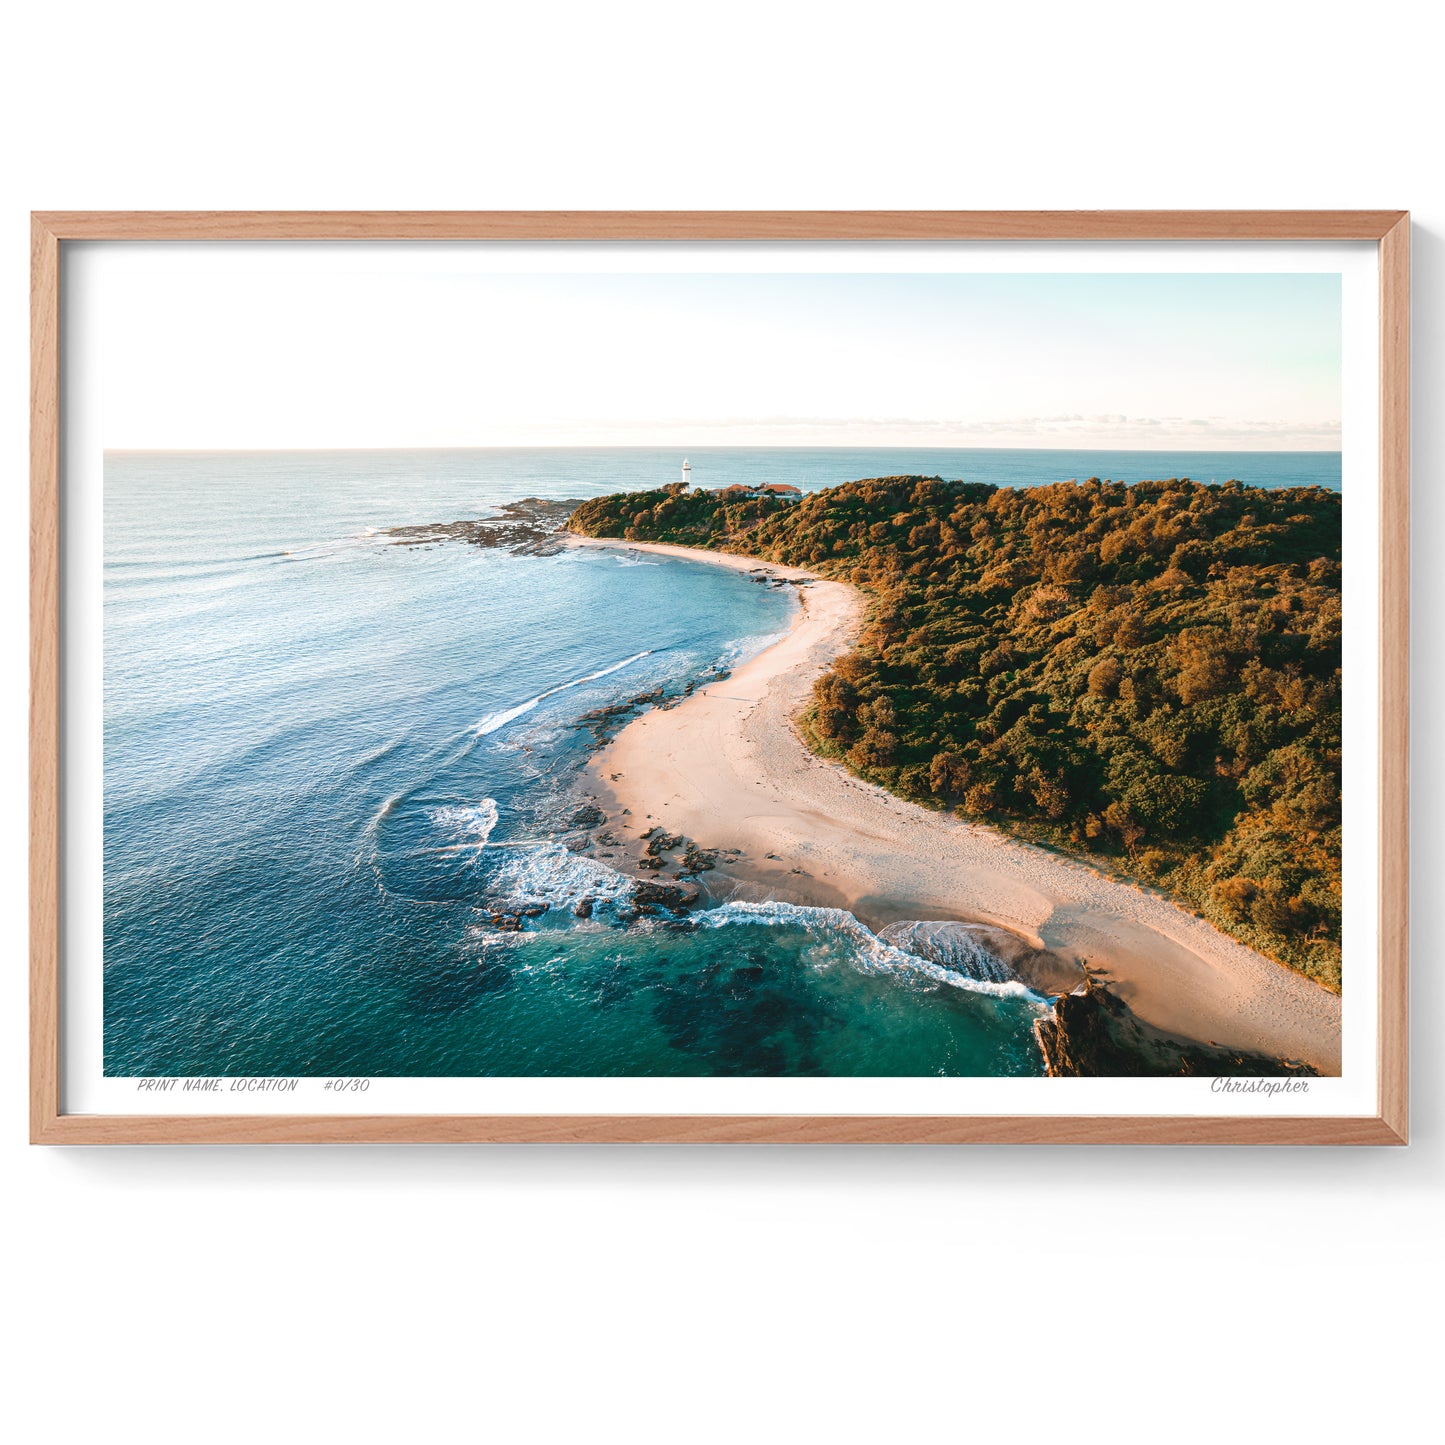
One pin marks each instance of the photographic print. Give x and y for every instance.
(524, 670)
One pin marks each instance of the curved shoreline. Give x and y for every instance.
(728, 768)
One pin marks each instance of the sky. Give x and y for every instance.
(241, 347)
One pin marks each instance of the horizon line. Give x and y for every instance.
(717, 447)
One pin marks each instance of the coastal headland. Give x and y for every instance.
(727, 768)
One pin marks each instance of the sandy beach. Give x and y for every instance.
(727, 768)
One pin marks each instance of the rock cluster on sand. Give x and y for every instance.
(660, 842)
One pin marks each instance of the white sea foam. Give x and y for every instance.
(495, 720)
(310, 553)
(743, 649)
(552, 874)
(472, 826)
(603, 672)
(868, 952)
(314, 551)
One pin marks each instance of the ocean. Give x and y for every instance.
(329, 760)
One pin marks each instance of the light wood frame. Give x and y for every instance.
(1390, 230)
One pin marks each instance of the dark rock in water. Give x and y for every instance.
(505, 922)
(675, 897)
(579, 844)
(1092, 1033)
(534, 527)
(589, 815)
(605, 722)
(583, 908)
(533, 910)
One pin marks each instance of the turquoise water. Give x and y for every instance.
(327, 759)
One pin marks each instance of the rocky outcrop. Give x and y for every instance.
(503, 922)
(604, 723)
(1089, 1031)
(534, 527)
(1092, 1033)
(674, 897)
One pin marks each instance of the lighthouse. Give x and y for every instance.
(686, 473)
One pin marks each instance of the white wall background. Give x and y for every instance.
(683, 1295)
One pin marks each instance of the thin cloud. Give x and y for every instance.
(1104, 431)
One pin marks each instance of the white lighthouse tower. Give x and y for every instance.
(686, 473)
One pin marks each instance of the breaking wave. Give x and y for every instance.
(470, 826)
(744, 649)
(867, 951)
(495, 720)
(312, 551)
(956, 946)
(552, 874)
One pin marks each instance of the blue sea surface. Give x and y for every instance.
(327, 757)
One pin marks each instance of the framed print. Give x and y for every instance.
(753, 677)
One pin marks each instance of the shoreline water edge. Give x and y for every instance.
(727, 770)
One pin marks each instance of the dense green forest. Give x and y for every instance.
(1145, 674)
